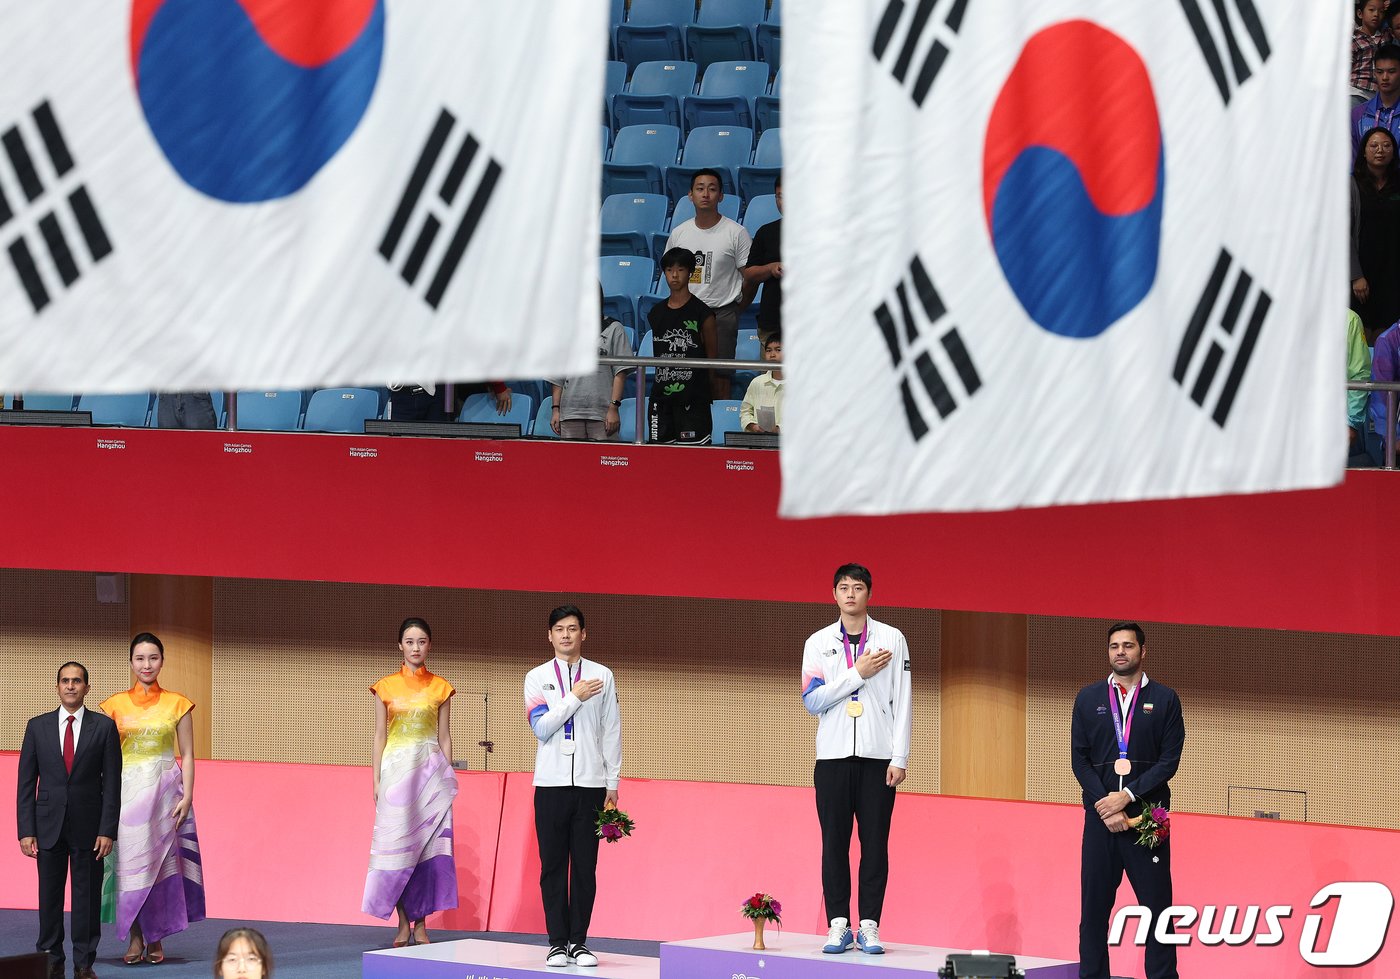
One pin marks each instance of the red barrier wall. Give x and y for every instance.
(338, 508)
(288, 842)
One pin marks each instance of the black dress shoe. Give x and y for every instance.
(84, 972)
(55, 969)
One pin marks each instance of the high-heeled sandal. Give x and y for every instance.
(131, 958)
(155, 954)
(424, 940)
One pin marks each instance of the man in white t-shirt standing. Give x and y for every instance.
(721, 248)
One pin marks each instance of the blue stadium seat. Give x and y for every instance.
(719, 13)
(676, 77)
(128, 410)
(724, 417)
(534, 390)
(647, 348)
(640, 156)
(762, 210)
(542, 428)
(269, 411)
(746, 346)
(619, 12)
(607, 140)
(617, 78)
(340, 410)
(654, 31)
(723, 148)
(624, 275)
(627, 415)
(685, 210)
(482, 408)
(727, 93)
(709, 45)
(50, 402)
(621, 308)
(762, 176)
(628, 220)
(768, 38)
(644, 307)
(775, 11)
(767, 113)
(631, 109)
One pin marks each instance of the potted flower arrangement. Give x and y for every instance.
(761, 909)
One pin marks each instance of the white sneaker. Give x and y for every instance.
(557, 957)
(580, 955)
(868, 938)
(839, 938)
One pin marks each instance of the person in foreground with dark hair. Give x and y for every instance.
(411, 868)
(571, 704)
(69, 801)
(856, 682)
(243, 954)
(1126, 738)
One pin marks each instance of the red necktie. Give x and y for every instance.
(68, 745)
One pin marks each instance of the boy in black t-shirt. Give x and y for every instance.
(682, 327)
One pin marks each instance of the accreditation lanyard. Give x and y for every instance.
(1122, 716)
(563, 692)
(851, 660)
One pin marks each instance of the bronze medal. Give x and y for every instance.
(1122, 767)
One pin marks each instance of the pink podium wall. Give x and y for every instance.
(288, 842)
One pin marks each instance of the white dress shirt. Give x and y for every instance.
(63, 726)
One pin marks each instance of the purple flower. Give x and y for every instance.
(1159, 815)
(777, 908)
(612, 831)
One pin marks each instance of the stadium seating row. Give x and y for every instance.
(718, 30)
(637, 224)
(655, 160)
(724, 418)
(732, 93)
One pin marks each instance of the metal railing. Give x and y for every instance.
(1390, 388)
(639, 376)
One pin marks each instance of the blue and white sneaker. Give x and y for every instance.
(839, 939)
(868, 938)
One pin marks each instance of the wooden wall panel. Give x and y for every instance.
(180, 610)
(983, 655)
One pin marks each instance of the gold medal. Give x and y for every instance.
(854, 708)
(1122, 767)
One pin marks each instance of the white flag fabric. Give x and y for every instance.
(1062, 251)
(219, 194)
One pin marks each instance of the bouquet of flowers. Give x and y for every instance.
(613, 824)
(1154, 825)
(762, 907)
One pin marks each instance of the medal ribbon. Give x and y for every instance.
(850, 660)
(1122, 728)
(563, 691)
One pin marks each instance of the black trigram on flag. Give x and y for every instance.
(44, 210)
(925, 352)
(924, 36)
(445, 204)
(1246, 45)
(1247, 304)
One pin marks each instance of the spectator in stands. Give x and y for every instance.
(1379, 111)
(766, 268)
(416, 403)
(721, 248)
(1375, 233)
(1385, 366)
(681, 397)
(586, 407)
(765, 391)
(243, 954)
(194, 410)
(1372, 31)
(1358, 369)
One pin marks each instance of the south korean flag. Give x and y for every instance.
(1062, 252)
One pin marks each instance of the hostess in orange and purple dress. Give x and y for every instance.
(156, 875)
(410, 857)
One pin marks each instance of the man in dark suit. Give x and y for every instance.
(70, 768)
(1125, 743)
